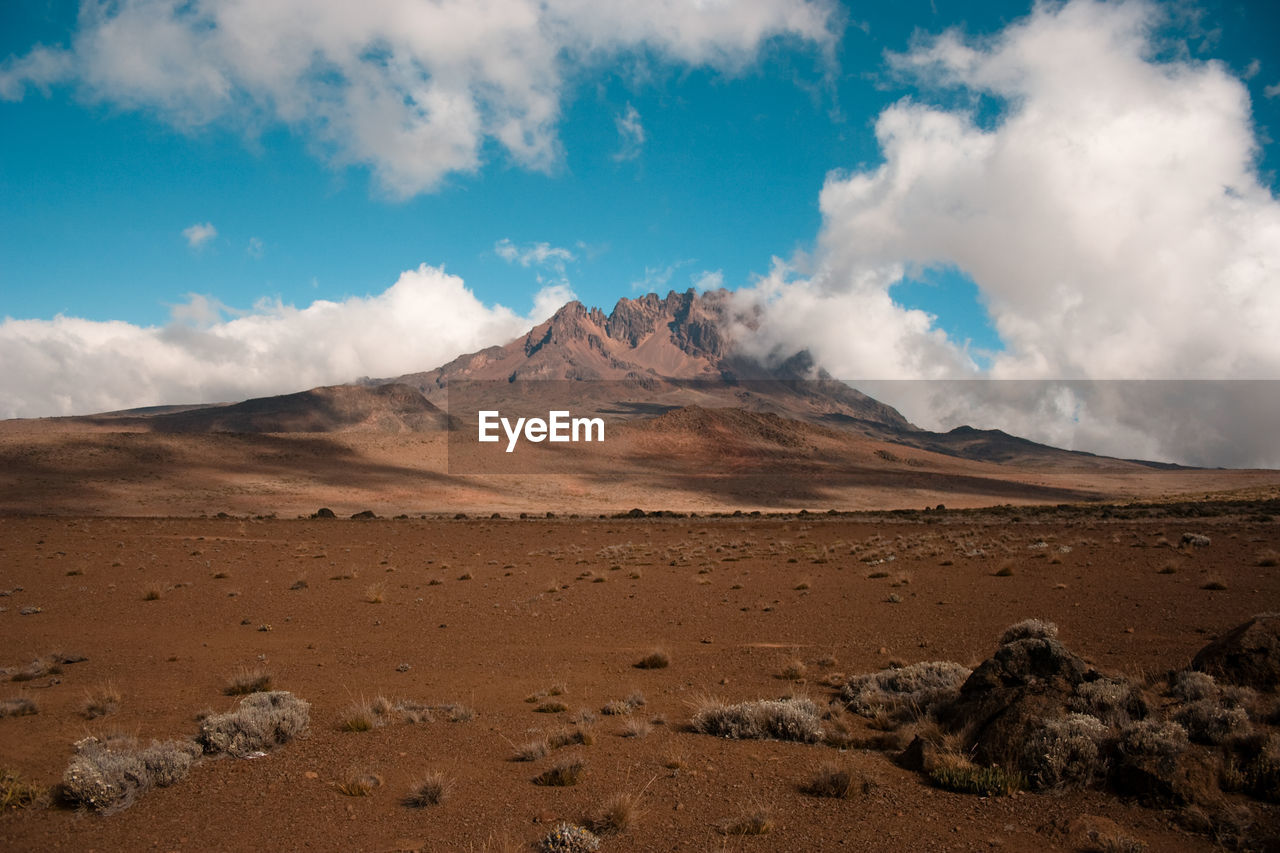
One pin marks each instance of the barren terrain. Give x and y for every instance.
(491, 613)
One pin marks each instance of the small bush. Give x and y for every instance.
(908, 692)
(1029, 629)
(792, 719)
(1114, 701)
(1190, 685)
(248, 680)
(1149, 737)
(1268, 559)
(656, 659)
(1064, 752)
(431, 790)
(956, 773)
(793, 671)
(106, 776)
(562, 774)
(833, 781)
(18, 706)
(1208, 721)
(567, 838)
(552, 707)
(18, 794)
(262, 721)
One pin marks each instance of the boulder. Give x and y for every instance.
(1248, 655)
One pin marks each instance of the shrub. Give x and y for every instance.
(571, 737)
(1190, 685)
(793, 719)
(1268, 559)
(18, 794)
(567, 838)
(656, 659)
(1207, 721)
(17, 706)
(1064, 752)
(553, 707)
(430, 790)
(909, 692)
(561, 774)
(248, 680)
(107, 776)
(1114, 701)
(1029, 629)
(262, 721)
(793, 671)
(357, 718)
(1150, 737)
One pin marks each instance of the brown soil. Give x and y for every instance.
(576, 602)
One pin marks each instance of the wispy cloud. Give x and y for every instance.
(708, 280)
(630, 133)
(657, 279)
(255, 248)
(199, 234)
(533, 254)
(413, 91)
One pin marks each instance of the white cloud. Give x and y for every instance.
(707, 280)
(656, 279)
(199, 234)
(412, 90)
(533, 254)
(631, 134)
(73, 366)
(1271, 91)
(1111, 215)
(255, 248)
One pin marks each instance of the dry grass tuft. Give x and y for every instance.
(571, 737)
(757, 821)
(430, 790)
(531, 751)
(552, 707)
(793, 671)
(1268, 559)
(635, 728)
(358, 785)
(955, 772)
(358, 718)
(562, 774)
(152, 593)
(834, 781)
(248, 680)
(656, 659)
(375, 593)
(101, 702)
(617, 814)
(1214, 583)
(18, 794)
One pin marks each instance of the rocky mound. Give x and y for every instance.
(1247, 655)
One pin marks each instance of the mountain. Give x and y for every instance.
(669, 351)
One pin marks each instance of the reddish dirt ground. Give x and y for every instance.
(488, 613)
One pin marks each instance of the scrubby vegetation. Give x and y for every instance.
(794, 719)
(107, 775)
(260, 723)
(905, 693)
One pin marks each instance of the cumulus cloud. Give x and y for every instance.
(412, 90)
(211, 353)
(199, 234)
(1111, 215)
(631, 134)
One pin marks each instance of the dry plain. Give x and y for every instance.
(489, 626)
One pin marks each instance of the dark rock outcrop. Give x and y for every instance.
(1248, 655)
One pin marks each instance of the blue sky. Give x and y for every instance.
(97, 194)
(208, 200)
